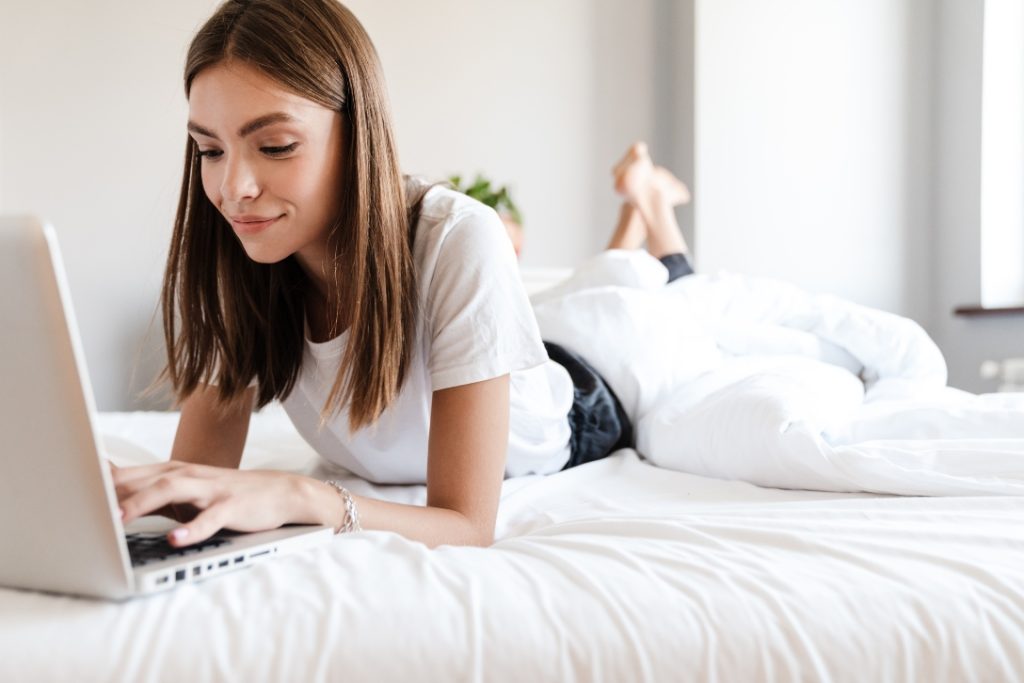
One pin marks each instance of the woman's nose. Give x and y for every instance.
(239, 181)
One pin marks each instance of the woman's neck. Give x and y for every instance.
(324, 324)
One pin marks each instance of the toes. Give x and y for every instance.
(636, 152)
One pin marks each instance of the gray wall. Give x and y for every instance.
(956, 200)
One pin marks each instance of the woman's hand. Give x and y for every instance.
(224, 498)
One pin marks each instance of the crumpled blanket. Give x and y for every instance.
(753, 379)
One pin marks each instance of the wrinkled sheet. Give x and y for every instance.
(748, 378)
(612, 571)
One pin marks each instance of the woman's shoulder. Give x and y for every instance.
(460, 244)
(450, 220)
(477, 317)
(442, 203)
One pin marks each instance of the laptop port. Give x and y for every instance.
(239, 559)
(179, 575)
(163, 579)
(197, 570)
(223, 563)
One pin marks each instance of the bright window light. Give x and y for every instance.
(1002, 155)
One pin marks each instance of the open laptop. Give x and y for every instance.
(60, 528)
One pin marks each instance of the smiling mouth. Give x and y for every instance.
(249, 226)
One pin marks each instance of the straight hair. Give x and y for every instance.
(228, 319)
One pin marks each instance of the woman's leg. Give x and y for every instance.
(655, 192)
(630, 231)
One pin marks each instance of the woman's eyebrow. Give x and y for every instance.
(251, 127)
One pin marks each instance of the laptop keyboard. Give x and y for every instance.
(144, 548)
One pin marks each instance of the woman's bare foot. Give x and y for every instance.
(633, 171)
(673, 189)
(636, 175)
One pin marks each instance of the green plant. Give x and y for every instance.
(482, 190)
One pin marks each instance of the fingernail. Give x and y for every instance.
(179, 534)
(121, 510)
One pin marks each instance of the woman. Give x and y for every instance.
(386, 314)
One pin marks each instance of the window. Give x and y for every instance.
(1002, 155)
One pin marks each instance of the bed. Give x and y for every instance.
(617, 570)
(614, 571)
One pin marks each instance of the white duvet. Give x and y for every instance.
(746, 378)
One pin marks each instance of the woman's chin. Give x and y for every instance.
(264, 255)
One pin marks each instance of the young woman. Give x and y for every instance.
(386, 314)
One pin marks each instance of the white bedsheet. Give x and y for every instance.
(613, 571)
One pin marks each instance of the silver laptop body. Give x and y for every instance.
(59, 522)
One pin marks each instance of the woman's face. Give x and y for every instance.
(271, 162)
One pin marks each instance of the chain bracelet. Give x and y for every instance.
(351, 522)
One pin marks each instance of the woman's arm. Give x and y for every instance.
(210, 433)
(469, 429)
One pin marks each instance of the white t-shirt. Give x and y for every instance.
(475, 323)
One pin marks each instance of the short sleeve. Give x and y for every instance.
(480, 322)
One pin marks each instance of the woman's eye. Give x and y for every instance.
(210, 153)
(278, 151)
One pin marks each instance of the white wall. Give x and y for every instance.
(836, 141)
(92, 119)
(812, 158)
(542, 95)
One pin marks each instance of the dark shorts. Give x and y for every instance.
(678, 266)
(599, 424)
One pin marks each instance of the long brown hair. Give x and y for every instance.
(240, 319)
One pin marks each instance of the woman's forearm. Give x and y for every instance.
(320, 503)
(210, 433)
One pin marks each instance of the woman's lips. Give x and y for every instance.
(250, 225)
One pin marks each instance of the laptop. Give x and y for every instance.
(60, 527)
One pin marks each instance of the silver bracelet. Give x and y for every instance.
(351, 522)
